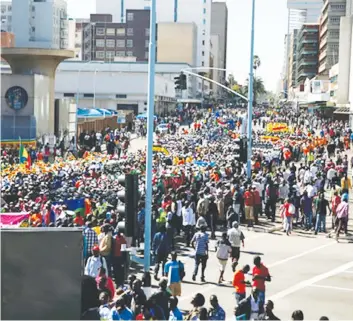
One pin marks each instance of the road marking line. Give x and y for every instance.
(301, 254)
(330, 287)
(315, 279)
(204, 290)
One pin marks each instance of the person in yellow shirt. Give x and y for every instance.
(346, 183)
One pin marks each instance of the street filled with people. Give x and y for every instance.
(300, 180)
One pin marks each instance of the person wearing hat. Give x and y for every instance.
(95, 262)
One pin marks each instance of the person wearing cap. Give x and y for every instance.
(95, 262)
(236, 238)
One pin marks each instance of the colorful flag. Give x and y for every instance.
(12, 219)
(24, 156)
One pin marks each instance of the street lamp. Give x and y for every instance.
(250, 93)
(149, 155)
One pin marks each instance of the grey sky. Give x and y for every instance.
(270, 28)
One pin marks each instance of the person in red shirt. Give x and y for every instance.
(118, 258)
(260, 275)
(257, 204)
(105, 283)
(249, 206)
(78, 220)
(239, 283)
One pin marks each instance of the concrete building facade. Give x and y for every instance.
(292, 75)
(308, 49)
(183, 11)
(219, 34)
(6, 16)
(332, 12)
(104, 39)
(40, 24)
(177, 43)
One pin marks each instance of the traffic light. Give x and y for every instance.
(177, 82)
(180, 82)
(128, 200)
(241, 150)
(183, 81)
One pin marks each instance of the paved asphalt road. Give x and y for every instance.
(311, 273)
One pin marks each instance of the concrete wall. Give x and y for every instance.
(41, 104)
(176, 42)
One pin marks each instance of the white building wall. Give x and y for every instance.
(71, 34)
(40, 24)
(6, 16)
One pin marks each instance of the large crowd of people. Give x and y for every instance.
(200, 187)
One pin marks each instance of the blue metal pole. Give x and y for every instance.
(251, 89)
(150, 120)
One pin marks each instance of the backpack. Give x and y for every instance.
(181, 271)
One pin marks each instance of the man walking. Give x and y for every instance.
(240, 284)
(322, 205)
(249, 206)
(160, 248)
(260, 275)
(235, 237)
(174, 271)
(200, 243)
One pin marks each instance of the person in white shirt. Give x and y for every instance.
(307, 176)
(95, 262)
(189, 222)
(235, 237)
(283, 190)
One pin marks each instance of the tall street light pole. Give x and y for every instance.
(251, 89)
(149, 155)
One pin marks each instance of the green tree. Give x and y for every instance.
(258, 88)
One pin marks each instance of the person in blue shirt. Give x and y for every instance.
(174, 270)
(161, 249)
(215, 312)
(174, 314)
(200, 243)
(122, 312)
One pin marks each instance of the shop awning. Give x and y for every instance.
(342, 111)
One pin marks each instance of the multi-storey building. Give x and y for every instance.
(332, 12)
(39, 23)
(292, 78)
(307, 52)
(219, 33)
(299, 12)
(103, 39)
(6, 16)
(183, 11)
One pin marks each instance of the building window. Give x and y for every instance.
(203, 32)
(129, 53)
(120, 31)
(120, 53)
(100, 31)
(130, 16)
(204, 21)
(147, 43)
(3, 9)
(110, 43)
(203, 42)
(129, 43)
(69, 95)
(9, 8)
(204, 1)
(130, 31)
(100, 43)
(120, 96)
(88, 95)
(203, 53)
(100, 54)
(110, 54)
(202, 64)
(204, 10)
(146, 54)
(110, 31)
(120, 43)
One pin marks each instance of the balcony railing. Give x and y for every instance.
(323, 30)
(323, 55)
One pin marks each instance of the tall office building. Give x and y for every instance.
(299, 12)
(40, 23)
(332, 12)
(104, 39)
(182, 11)
(219, 33)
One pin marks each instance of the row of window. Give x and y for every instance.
(112, 54)
(119, 43)
(118, 32)
(3, 8)
(338, 6)
(92, 95)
